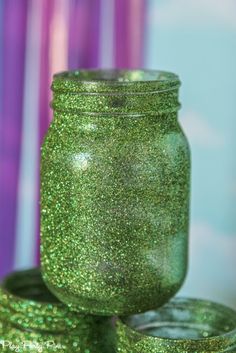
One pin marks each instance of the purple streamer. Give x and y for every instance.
(1, 48)
(44, 69)
(44, 99)
(93, 47)
(84, 33)
(121, 34)
(129, 33)
(14, 32)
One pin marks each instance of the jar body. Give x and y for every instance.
(114, 210)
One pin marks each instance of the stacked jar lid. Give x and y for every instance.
(33, 320)
(115, 180)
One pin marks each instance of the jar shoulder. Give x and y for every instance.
(140, 137)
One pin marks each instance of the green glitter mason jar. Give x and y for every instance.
(115, 173)
(181, 326)
(32, 320)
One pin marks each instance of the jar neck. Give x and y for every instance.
(182, 325)
(116, 92)
(26, 303)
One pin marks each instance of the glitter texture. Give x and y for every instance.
(181, 326)
(32, 320)
(115, 173)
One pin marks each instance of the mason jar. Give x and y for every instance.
(115, 173)
(181, 326)
(32, 320)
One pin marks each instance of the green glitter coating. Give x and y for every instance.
(181, 326)
(114, 192)
(33, 320)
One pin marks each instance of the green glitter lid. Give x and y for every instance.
(32, 320)
(26, 302)
(116, 91)
(181, 326)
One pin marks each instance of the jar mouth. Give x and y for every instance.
(189, 323)
(114, 81)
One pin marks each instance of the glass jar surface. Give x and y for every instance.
(180, 326)
(33, 320)
(115, 175)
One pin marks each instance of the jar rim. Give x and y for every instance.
(224, 340)
(115, 80)
(117, 76)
